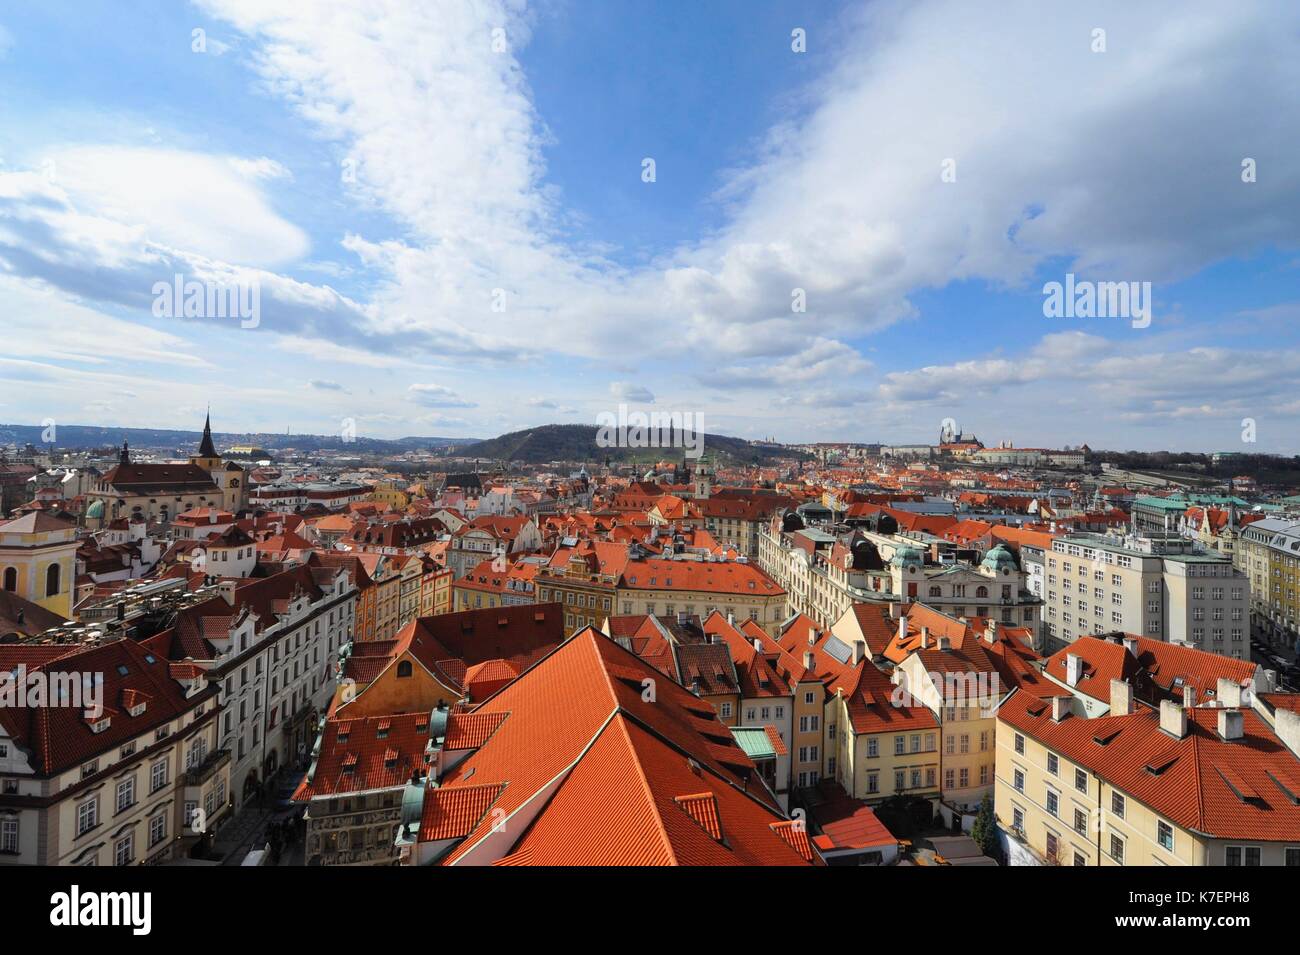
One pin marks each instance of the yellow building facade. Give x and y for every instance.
(38, 560)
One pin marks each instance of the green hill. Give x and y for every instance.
(577, 443)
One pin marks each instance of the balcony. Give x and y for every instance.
(200, 774)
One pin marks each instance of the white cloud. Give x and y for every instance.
(844, 202)
(437, 396)
(204, 205)
(42, 323)
(627, 391)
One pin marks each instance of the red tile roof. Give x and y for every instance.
(579, 716)
(455, 812)
(364, 753)
(1167, 667)
(730, 577)
(1199, 782)
(59, 737)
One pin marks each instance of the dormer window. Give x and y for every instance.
(101, 724)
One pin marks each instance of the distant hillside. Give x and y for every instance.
(577, 443)
(78, 437)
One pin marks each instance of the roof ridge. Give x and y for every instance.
(645, 786)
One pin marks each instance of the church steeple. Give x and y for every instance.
(124, 456)
(206, 449)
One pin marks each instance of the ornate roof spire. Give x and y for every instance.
(206, 450)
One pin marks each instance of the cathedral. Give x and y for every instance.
(157, 493)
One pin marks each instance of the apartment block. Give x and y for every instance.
(139, 778)
(1163, 587)
(1268, 551)
(1201, 785)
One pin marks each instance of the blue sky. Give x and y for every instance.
(378, 170)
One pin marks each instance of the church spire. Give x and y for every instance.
(206, 450)
(124, 456)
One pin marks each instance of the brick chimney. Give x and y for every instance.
(1173, 719)
(1121, 698)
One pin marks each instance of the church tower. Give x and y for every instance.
(703, 480)
(229, 477)
(207, 458)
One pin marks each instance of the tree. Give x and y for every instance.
(985, 829)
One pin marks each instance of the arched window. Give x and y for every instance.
(52, 574)
(981, 591)
(11, 579)
(404, 668)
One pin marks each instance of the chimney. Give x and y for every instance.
(1230, 724)
(1131, 644)
(1189, 696)
(758, 645)
(813, 635)
(1121, 698)
(1173, 719)
(1073, 669)
(212, 515)
(731, 618)
(894, 610)
(902, 627)
(1060, 707)
(1228, 692)
(809, 662)
(991, 632)
(1287, 726)
(945, 644)
(859, 651)
(925, 638)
